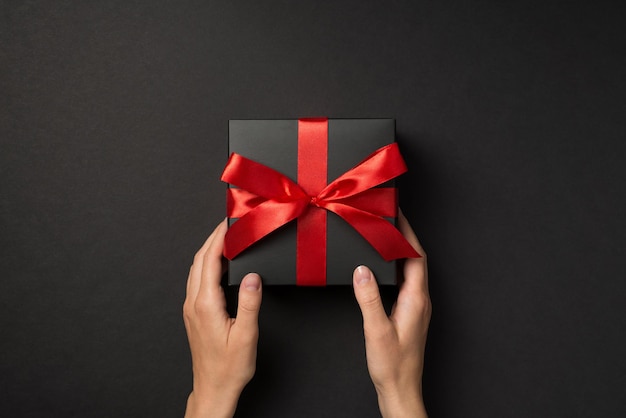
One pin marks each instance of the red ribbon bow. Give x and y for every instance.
(266, 200)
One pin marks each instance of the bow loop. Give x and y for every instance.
(382, 165)
(245, 173)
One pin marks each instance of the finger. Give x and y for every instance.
(210, 292)
(195, 272)
(250, 293)
(415, 277)
(409, 234)
(413, 298)
(368, 298)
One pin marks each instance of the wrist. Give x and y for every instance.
(401, 403)
(201, 404)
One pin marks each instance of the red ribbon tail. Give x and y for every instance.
(379, 232)
(259, 222)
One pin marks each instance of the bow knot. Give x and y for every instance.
(314, 201)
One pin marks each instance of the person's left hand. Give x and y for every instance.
(223, 349)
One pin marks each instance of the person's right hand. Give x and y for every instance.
(395, 344)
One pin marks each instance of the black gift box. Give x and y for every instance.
(274, 143)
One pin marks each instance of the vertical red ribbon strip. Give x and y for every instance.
(312, 177)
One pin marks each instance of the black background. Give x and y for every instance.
(113, 129)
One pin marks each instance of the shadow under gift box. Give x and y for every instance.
(274, 143)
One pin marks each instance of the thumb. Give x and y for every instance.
(368, 297)
(249, 303)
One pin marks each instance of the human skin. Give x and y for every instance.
(395, 344)
(224, 349)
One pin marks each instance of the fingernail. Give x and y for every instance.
(252, 282)
(362, 275)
